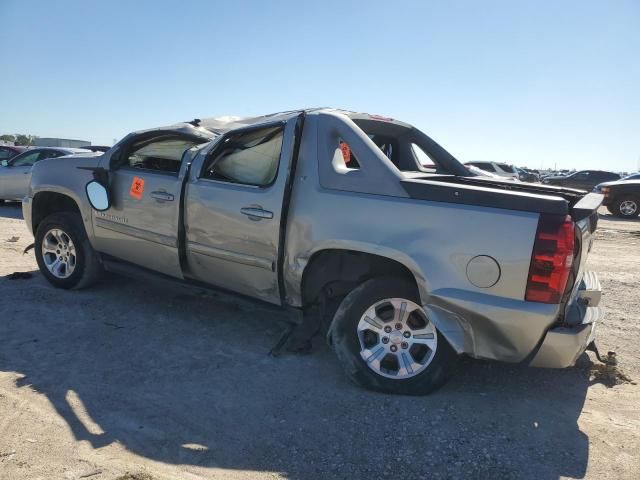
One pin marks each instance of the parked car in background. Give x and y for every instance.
(633, 176)
(97, 148)
(401, 269)
(9, 151)
(500, 169)
(622, 197)
(478, 172)
(15, 173)
(583, 179)
(527, 176)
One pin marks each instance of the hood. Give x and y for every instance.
(617, 182)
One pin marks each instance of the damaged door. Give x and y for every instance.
(233, 210)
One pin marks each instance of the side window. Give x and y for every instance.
(423, 159)
(26, 159)
(350, 160)
(163, 155)
(582, 176)
(50, 154)
(5, 153)
(249, 158)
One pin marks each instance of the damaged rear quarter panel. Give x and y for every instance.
(435, 241)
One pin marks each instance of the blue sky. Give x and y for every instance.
(537, 83)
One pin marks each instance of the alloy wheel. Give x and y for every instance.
(59, 253)
(397, 340)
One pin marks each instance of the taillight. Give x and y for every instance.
(551, 260)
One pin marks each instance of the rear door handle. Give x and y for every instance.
(162, 196)
(256, 213)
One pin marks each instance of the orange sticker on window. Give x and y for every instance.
(137, 188)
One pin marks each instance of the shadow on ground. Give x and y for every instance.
(11, 210)
(185, 378)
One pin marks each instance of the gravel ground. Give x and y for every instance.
(126, 381)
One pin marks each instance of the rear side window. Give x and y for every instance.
(249, 158)
(424, 160)
(350, 160)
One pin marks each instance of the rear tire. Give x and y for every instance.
(417, 362)
(63, 252)
(626, 207)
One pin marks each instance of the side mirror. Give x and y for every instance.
(98, 196)
(4, 163)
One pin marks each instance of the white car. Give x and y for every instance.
(15, 173)
(500, 169)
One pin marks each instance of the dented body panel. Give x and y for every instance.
(466, 242)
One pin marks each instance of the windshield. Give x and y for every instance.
(633, 176)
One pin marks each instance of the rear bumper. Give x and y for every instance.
(562, 345)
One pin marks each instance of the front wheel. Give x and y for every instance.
(63, 252)
(386, 342)
(626, 207)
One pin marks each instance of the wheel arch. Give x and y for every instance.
(334, 271)
(47, 202)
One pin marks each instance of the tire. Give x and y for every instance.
(80, 267)
(626, 207)
(351, 334)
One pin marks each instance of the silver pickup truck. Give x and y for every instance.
(361, 226)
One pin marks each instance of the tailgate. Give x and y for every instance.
(585, 214)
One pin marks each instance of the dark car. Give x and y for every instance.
(9, 151)
(527, 175)
(583, 180)
(622, 197)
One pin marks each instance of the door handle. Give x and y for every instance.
(256, 213)
(162, 196)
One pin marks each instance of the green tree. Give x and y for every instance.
(8, 138)
(25, 140)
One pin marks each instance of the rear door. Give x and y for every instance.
(233, 210)
(145, 183)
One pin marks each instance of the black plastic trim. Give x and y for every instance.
(586, 206)
(436, 191)
(286, 201)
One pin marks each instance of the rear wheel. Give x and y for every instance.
(386, 342)
(63, 252)
(626, 207)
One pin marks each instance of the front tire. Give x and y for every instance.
(63, 252)
(626, 207)
(386, 342)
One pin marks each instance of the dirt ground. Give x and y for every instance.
(128, 381)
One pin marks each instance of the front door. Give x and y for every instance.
(141, 226)
(233, 206)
